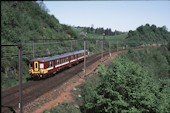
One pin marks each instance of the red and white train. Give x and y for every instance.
(49, 65)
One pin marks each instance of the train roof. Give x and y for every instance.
(44, 59)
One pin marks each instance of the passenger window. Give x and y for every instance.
(48, 64)
(56, 62)
(51, 63)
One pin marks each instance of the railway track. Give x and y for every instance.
(34, 89)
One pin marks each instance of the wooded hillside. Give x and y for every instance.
(148, 34)
(25, 20)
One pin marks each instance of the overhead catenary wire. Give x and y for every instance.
(26, 46)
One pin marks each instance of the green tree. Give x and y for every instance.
(126, 87)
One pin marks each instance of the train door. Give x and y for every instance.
(35, 66)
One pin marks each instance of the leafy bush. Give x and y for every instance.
(137, 81)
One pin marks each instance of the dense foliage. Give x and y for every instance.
(24, 20)
(157, 60)
(148, 34)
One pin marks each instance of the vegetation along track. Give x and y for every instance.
(34, 89)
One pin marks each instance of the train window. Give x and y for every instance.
(50, 64)
(36, 66)
(57, 62)
(72, 58)
(41, 65)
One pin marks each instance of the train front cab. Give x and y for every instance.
(37, 69)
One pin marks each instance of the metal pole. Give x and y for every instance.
(20, 78)
(71, 46)
(102, 46)
(109, 49)
(84, 56)
(117, 45)
(96, 42)
(33, 50)
(76, 45)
